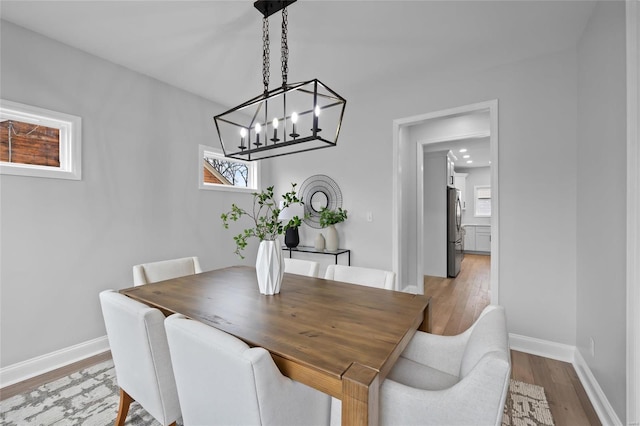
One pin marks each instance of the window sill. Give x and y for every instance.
(38, 171)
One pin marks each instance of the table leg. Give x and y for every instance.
(360, 401)
(426, 323)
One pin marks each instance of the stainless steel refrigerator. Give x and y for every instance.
(454, 232)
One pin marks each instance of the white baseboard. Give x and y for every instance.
(571, 354)
(24, 370)
(598, 399)
(410, 288)
(545, 348)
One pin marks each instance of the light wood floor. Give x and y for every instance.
(456, 304)
(37, 381)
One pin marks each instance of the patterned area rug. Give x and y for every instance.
(526, 406)
(90, 397)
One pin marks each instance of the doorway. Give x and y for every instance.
(411, 136)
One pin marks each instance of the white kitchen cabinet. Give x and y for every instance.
(460, 182)
(483, 238)
(469, 238)
(477, 238)
(450, 170)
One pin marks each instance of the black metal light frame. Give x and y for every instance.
(269, 7)
(305, 102)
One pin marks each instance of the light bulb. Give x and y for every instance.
(274, 123)
(243, 134)
(257, 128)
(316, 120)
(294, 120)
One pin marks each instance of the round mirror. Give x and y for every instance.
(319, 192)
(319, 201)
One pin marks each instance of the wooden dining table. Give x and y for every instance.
(341, 339)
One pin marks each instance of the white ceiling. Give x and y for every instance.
(213, 48)
(478, 150)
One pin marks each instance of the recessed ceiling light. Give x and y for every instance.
(463, 150)
(466, 156)
(469, 161)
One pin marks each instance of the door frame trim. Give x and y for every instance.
(398, 194)
(632, 17)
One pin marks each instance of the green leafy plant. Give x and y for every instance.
(266, 223)
(331, 217)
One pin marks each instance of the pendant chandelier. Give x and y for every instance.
(295, 117)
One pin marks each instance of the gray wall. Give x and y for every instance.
(537, 249)
(601, 208)
(64, 241)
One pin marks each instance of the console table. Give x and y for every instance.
(308, 249)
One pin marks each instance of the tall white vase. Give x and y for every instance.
(269, 267)
(332, 238)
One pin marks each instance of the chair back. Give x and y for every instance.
(141, 354)
(165, 270)
(301, 267)
(363, 276)
(488, 336)
(222, 381)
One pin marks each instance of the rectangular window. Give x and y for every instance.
(27, 143)
(39, 142)
(219, 172)
(482, 201)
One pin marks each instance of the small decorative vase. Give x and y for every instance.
(291, 237)
(332, 238)
(269, 267)
(319, 243)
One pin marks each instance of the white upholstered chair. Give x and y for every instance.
(453, 380)
(141, 357)
(301, 267)
(222, 381)
(362, 276)
(448, 380)
(165, 270)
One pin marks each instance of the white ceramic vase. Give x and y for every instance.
(319, 243)
(332, 238)
(269, 267)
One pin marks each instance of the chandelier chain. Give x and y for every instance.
(284, 50)
(265, 54)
